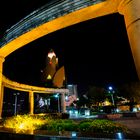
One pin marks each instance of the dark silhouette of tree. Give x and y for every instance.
(131, 90)
(82, 101)
(96, 95)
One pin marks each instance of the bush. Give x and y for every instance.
(65, 116)
(27, 122)
(101, 126)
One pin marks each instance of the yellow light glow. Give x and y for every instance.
(49, 77)
(21, 126)
(51, 55)
(107, 103)
(23, 123)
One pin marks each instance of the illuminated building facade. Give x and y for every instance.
(52, 75)
(50, 68)
(72, 95)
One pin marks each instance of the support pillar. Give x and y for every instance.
(63, 104)
(131, 11)
(31, 102)
(1, 87)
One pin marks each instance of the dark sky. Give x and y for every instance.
(95, 52)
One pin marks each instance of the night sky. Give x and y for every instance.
(94, 52)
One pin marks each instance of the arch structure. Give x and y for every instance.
(32, 89)
(63, 13)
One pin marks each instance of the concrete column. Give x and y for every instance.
(1, 87)
(63, 104)
(131, 11)
(31, 102)
(1, 98)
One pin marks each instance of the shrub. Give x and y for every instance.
(65, 116)
(23, 122)
(101, 126)
(27, 122)
(60, 125)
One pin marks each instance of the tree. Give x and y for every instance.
(83, 100)
(96, 95)
(131, 90)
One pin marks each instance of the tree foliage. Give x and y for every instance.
(96, 94)
(131, 90)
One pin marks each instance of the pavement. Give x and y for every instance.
(130, 120)
(132, 123)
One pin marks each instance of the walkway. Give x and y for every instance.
(132, 123)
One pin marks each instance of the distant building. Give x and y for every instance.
(52, 75)
(72, 96)
(50, 67)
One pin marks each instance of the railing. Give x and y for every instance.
(48, 12)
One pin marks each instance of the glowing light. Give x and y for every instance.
(69, 85)
(135, 109)
(76, 113)
(73, 134)
(21, 126)
(66, 98)
(120, 136)
(117, 110)
(110, 88)
(51, 54)
(87, 112)
(56, 95)
(70, 112)
(107, 103)
(23, 123)
(49, 77)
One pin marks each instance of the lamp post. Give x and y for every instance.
(111, 91)
(57, 96)
(15, 108)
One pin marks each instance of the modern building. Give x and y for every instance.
(52, 75)
(50, 68)
(72, 95)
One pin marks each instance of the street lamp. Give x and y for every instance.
(57, 96)
(15, 109)
(111, 93)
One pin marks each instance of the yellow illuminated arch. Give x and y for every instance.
(103, 8)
